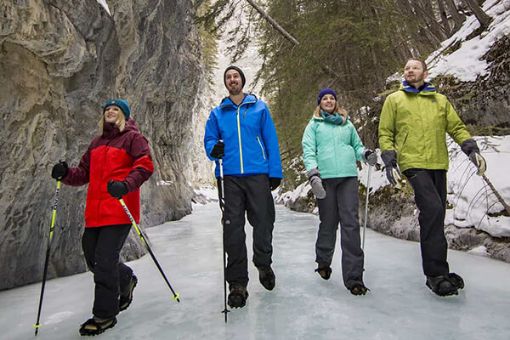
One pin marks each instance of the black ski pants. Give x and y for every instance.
(340, 206)
(430, 197)
(101, 247)
(250, 195)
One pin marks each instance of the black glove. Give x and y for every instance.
(370, 157)
(218, 150)
(389, 158)
(274, 182)
(59, 170)
(469, 146)
(117, 189)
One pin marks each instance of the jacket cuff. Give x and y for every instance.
(313, 172)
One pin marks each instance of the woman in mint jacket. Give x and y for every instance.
(331, 147)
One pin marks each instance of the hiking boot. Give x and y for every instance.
(324, 271)
(238, 295)
(456, 280)
(125, 299)
(358, 288)
(95, 326)
(266, 277)
(444, 285)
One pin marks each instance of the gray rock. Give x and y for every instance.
(59, 60)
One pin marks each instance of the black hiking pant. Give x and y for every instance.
(250, 195)
(101, 247)
(340, 206)
(430, 197)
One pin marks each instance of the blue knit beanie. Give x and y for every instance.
(324, 92)
(121, 104)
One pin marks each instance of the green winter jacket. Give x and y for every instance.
(414, 124)
(333, 149)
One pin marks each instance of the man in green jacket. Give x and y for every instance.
(412, 133)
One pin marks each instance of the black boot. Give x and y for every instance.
(443, 285)
(95, 326)
(266, 277)
(127, 296)
(238, 295)
(324, 271)
(456, 280)
(358, 288)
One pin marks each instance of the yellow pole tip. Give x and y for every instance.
(36, 325)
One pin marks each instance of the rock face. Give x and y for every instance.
(485, 102)
(59, 60)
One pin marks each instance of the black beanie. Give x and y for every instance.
(232, 67)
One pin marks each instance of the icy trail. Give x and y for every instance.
(302, 306)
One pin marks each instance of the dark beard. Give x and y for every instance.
(235, 92)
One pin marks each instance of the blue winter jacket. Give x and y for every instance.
(251, 144)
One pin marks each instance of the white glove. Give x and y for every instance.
(479, 162)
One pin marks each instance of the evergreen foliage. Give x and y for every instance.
(351, 46)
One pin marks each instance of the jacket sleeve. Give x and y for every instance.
(387, 125)
(79, 175)
(309, 147)
(454, 125)
(142, 167)
(356, 144)
(212, 134)
(271, 142)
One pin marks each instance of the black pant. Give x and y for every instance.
(250, 195)
(430, 197)
(340, 206)
(101, 247)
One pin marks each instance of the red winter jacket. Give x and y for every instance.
(120, 156)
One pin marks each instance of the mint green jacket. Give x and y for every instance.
(333, 149)
(415, 126)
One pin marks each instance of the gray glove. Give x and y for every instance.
(370, 157)
(316, 183)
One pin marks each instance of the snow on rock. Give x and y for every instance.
(471, 197)
(466, 63)
(105, 6)
(473, 202)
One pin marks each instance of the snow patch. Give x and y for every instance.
(480, 250)
(466, 63)
(105, 6)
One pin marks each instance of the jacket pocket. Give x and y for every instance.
(261, 147)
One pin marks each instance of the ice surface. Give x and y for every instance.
(302, 306)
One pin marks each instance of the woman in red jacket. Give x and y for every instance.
(115, 165)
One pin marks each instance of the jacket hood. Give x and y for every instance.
(426, 88)
(249, 98)
(320, 119)
(110, 130)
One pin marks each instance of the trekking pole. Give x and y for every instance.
(222, 207)
(366, 207)
(143, 238)
(45, 271)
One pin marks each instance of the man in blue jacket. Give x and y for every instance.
(240, 131)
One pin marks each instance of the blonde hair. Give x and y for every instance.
(341, 111)
(120, 122)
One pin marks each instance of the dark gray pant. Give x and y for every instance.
(430, 197)
(340, 205)
(101, 247)
(250, 195)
